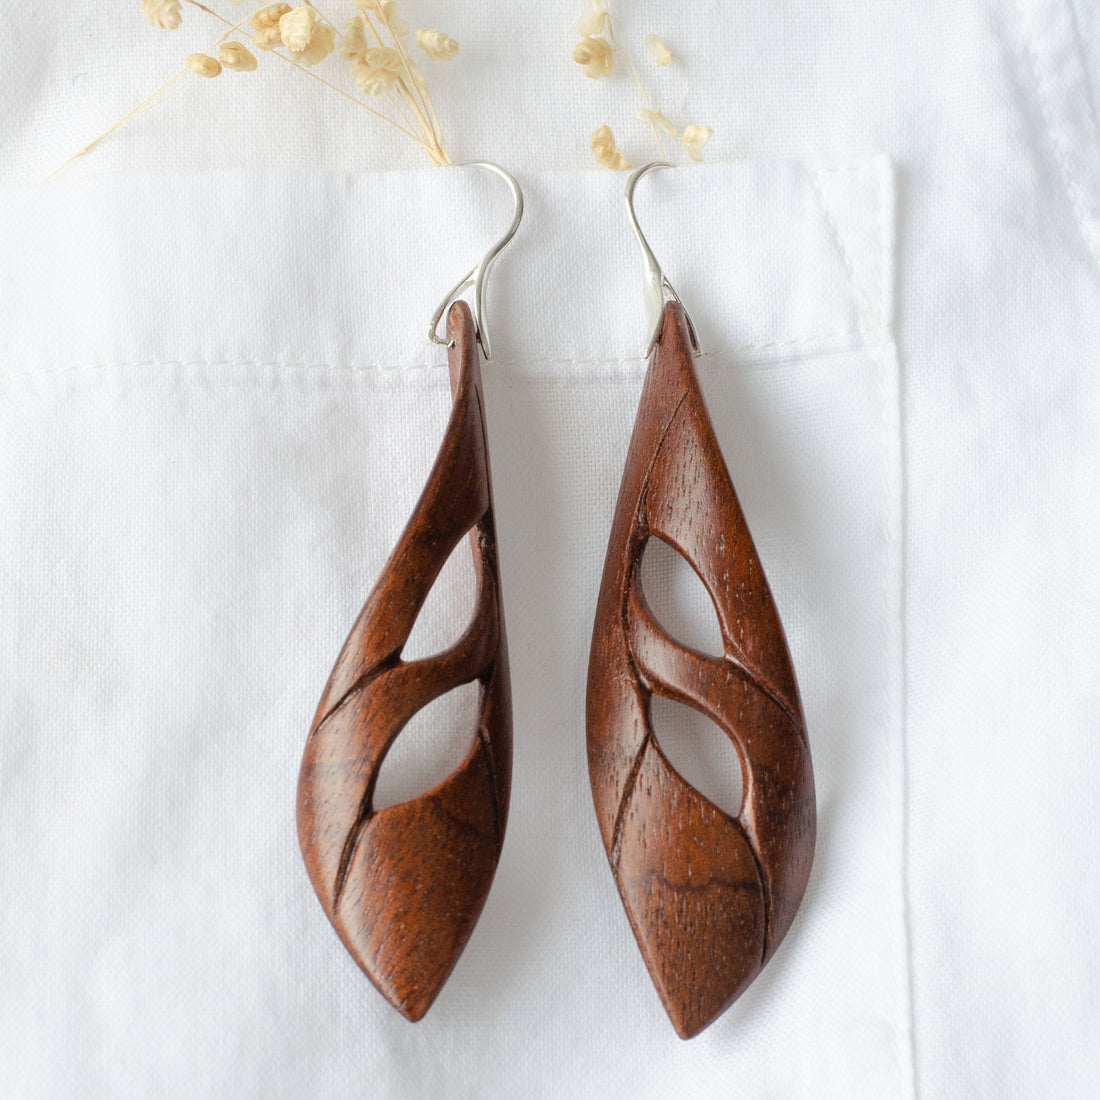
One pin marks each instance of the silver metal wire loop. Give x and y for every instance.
(658, 289)
(477, 275)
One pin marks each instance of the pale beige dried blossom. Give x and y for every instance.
(382, 57)
(373, 81)
(661, 53)
(296, 28)
(606, 152)
(355, 39)
(694, 138)
(595, 56)
(267, 39)
(593, 20)
(237, 58)
(164, 14)
(202, 64)
(266, 25)
(321, 43)
(437, 45)
(655, 118)
(269, 16)
(389, 11)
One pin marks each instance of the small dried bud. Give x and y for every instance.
(367, 5)
(437, 45)
(382, 57)
(373, 81)
(606, 152)
(202, 64)
(390, 13)
(603, 144)
(269, 16)
(268, 38)
(164, 14)
(321, 43)
(694, 138)
(661, 53)
(355, 39)
(594, 18)
(237, 58)
(296, 28)
(417, 75)
(595, 56)
(655, 118)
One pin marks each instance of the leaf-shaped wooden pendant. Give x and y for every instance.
(404, 886)
(709, 896)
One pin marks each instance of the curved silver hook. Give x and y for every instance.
(658, 289)
(477, 275)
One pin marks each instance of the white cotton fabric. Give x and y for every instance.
(217, 409)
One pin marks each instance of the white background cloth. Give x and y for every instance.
(217, 411)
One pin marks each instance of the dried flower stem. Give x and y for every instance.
(433, 126)
(416, 97)
(400, 109)
(319, 79)
(155, 98)
(637, 80)
(682, 110)
(150, 100)
(358, 102)
(409, 98)
(203, 7)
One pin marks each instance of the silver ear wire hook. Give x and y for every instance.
(476, 277)
(658, 289)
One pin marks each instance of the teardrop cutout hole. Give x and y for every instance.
(700, 751)
(432, 745)
(448, 609)
(678, 599)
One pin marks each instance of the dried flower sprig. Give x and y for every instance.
(661, 53)
(374, 44)
(162, 13)
(606, 152)
(694, 138)
(237, 58)
(596, 56)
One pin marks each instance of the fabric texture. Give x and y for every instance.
(217, 409)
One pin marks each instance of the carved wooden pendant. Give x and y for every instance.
(404, 886)
(709, 896)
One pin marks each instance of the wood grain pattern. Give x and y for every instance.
(709, 896)
(404, 886)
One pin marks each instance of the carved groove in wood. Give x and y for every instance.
(403, 886)
(709, 896)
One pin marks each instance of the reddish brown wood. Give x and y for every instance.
(404, 886)
(709, 896)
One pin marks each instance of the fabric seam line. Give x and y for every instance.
(1076, 189)
(869, 339)
(867, 307)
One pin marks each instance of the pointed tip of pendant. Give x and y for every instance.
(411, 1000)
(686, 1017)
(414, 1007)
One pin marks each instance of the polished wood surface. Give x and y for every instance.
(404, 886)
(709, 896)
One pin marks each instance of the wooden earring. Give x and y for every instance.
(708, 896)
(404, 886)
